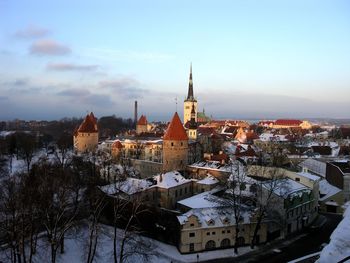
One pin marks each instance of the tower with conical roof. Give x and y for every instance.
(86, 135)
(175, 146)
(190, 100)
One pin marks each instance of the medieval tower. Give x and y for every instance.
(190, 101)
(175, 146)
(86, 136)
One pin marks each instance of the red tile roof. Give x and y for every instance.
(288, 122)
(89, 124)
(205, 130)
(117, 144)
(142, 120)
(175, 131)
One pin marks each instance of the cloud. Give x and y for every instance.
(86, 97)
(125, 87)
(32, 31)
(70, 67)
(74, 92)
(19, 82)
(3, 98)
(49, 47)
(98, 100)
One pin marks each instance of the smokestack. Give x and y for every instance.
(135, 112)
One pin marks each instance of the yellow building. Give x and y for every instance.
(207, 225)
(85, 138)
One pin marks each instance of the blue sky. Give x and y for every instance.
(251, 59)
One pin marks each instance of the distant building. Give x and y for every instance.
(285, 124)
(85, 137)
(142, 125)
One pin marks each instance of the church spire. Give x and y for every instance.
(190, 96)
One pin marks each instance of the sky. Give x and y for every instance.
(251, 59)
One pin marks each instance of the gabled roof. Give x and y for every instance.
(89, 124)
(170, 179)
(142, 120)
(175, 130)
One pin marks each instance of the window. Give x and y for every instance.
(213, 233)
(192, 234)
(180, 191)
(185, 190)
(223, 231)
(228, 231)
(175, 193)
(297, 179)
(208, 233)
(172, 144)
(192, 224)
(182, 143)
(191, 247)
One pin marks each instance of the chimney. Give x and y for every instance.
(135, 112)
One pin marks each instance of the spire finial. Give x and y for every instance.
(176, 104)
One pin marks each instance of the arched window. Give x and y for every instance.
(210, 244)
(225, 243)
(241, 241)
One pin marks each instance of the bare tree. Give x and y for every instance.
(27, 148)
(97, 205)
(264, 197)
(233, 199)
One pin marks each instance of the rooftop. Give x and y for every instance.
(170, 179)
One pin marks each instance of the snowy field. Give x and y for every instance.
(75, 250)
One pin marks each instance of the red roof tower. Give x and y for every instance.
(175, 130)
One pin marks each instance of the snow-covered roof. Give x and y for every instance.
(327, 190)
(213, 217)
(209, 180)
(287, 187)
(315, 166)
(339, 245)
(309, 176)
(170, 179)
(211, 165)
(129, 186)
(203, 200)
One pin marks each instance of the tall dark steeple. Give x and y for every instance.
(190, 101)
(190, 96)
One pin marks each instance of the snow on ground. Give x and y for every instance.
(75, 250)
(339, 246)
